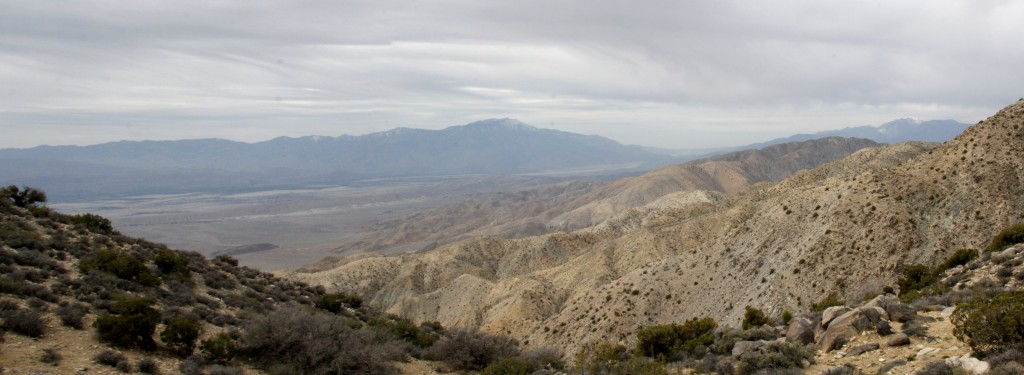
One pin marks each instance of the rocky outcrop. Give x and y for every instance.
(800, 330)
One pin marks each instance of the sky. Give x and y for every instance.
(674, 74)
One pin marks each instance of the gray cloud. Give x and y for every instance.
(671, 73)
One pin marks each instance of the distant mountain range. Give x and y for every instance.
(896, 131)
(496, 146)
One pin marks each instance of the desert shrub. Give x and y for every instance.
(915, 277)
(192, 365)
(23, 321)
(959, 258)
(24, 197)
(606, 359)
(17, 237)
(220, 348)
(147, 365)
(1006, 238)
(1006, 356)
(665, 341)
(71, 314)
(509, 366)
(471, 350)
(113, 359)
(939, 368)
(915, 327)
(50, 356)
(1008, 368)
(544, 358)
(226, 260)
(180, 335)
(405, 330)
(132, 326)
(773, 357)
(829, 301)
(786, 317)
(725, 338)
(120, 264)
(13, 286)
(335, 301)
(172, 264)
(312, 343)
(754, 317)
(991, 325)
(91, 222)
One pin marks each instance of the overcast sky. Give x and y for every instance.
(668, 74)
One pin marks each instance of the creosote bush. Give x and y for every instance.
(666, 341)
(471, 351)
(753, 317)
(121, 264)
(335, 301)
(607, 359)
(220, 348)
(314, 343)
(71, 314)
(22, 321)
(991, 325)
(180, 335)
(1006, 238)
(131, 326)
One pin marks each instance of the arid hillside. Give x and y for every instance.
(843, 228)
(577, 205)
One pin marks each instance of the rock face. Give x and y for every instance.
(896, 311)
(899, 339)
(800, 330)
(970, 364)
(842, 228)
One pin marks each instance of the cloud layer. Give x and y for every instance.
(669, 74)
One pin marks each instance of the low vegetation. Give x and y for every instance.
(992, 325)
(213, 313)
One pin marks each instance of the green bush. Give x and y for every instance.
(23, 321)
(470, 350)
(71, 314)
(180, 335)
(773, 358)
(94, 223)
(959, 258)
(120, 264)
(509, 366)
(405, 330)
(335, 301)
(132, 326)
(1007, 237)
(24, 197)
(665, 341)
(991, 325)
(173, 264)
(829, 301)
(607, 359)
(220, 348)
(754, 317)
(786, 317)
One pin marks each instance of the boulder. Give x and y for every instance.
(899, 339)
(883, 328)
(848, 325)
(861, 349)
(970, 364)
(894, 309)
(801, 330)
(831, 313)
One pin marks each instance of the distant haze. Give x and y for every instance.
(671, 74)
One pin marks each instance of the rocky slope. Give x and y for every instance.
(843, 228)
(577, 205)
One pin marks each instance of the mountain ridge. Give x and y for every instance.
(844, 228)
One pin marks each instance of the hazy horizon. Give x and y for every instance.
(663, 74)
(260, 140)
